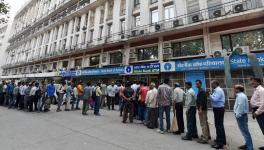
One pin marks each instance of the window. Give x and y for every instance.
(254, 39)
(78, 62)
(94, 60)
(65, 64)
(101, 32)
(154, 16)
(64, 44)
(137, 20)
(91, 35)
(153, 1)
(84, 37)
(188, 48)
(76, 39)
(54, 66)
(123, 25)
(150, 53)
(110, 30)
(169, 12)
(136, 2)
(116, 58)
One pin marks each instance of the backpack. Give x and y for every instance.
(38, 93)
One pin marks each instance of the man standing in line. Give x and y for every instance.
(28, 105)
(104, 94)
(42, 100)
(22, 95)
(201, 103)
(15, 96)
(61, 91)
(98, 94)
(135, 86)
(141, 104)
(10, 91)
(218, 103)
(34, 97)
(151, 102)
(178, 97)
(128, 95)
(190, 113)
(87, 96)
(111, 90)
(1, 93)
(241, 108)
(164, 99)
(79, 94)
(50, 96)
(257, 103)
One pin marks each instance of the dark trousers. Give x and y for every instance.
(165, 109)
(153, 118)
(260, 120)
(30, 103)
(17, 101)
(35, 102)
(2, 98)
(21, 102)
(111, 102)
(141, 111)
(97, 105)
(135, 104)
(191, 122)
(179, 115)
(128, 108)
(219, 126)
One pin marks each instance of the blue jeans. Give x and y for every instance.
(97, 105)
(142, 111)
(165, 109)
(243, 126)
(147, 115)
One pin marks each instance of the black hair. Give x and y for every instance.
(189, 83)
(199, 81)
(166, 81)
(240, 88)
(256, 79)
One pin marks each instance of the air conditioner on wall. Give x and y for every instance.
(239, 8)
(196, 18)
(177, 22)
(104, 59)
(132, 54)
(157, 27)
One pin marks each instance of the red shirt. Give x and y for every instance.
(143, 93)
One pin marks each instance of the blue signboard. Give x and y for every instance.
(216, 63)
(74, 73)
(146, 68)
(193, 76)
(103, 71)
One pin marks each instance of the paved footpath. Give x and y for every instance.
(72, 131)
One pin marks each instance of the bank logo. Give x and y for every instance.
(128, 69)
(168, 67)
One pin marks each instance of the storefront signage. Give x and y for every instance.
(167, 66)
(146, 68)
(73, 73)
(103, 71)
(216, 63)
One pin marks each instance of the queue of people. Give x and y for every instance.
(147, 104)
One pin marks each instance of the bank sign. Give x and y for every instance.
(214, 63)
(146, 68)
(103, 71)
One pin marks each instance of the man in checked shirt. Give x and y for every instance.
(257, 103)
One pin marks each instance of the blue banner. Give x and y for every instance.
(103, 71)
(74, 73)
(216, 63)
(193, 76)
(146, 68)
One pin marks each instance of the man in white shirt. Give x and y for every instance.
(111, 91)
(178, 97)
(151, 103)
(32, 95)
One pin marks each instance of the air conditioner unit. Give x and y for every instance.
(132, 54)
(167, 51)
(196, 18)
(123, 36)
(104, 58)
(134, 33)
(167, 45)
(84, 28)
(216, 13)
(217, 54)
(141, 32)
(239, 8)
(157, 27)
(242, 49)
(177, 22)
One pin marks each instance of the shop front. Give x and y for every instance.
(208, 69)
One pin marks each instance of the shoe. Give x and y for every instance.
(46, 110)
(202, 141)
(124, 122)
(97, 114)
(78, 109)
(177, 132)
(195, 136)
(85, 114)
(242, 147)
(261, 148)
(58, 110)
(186, 138)
(217, 146)
(160, 131)
(67, 110)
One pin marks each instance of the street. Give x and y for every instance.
(72, 131)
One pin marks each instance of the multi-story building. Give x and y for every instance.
(133, 39)
(3, 43)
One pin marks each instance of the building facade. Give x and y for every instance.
(100, 37)
(4, 30)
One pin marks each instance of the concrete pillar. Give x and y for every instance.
(206, 38)
(160, 49)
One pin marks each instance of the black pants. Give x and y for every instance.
(153, 118)
(30, 103)
(21, 102)
(17, 101)
(179, 115)
(2, 98)
(111, 102)
(260, 120)
(135, 103)
(219, 126)
(128, 109)
(191, 122)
